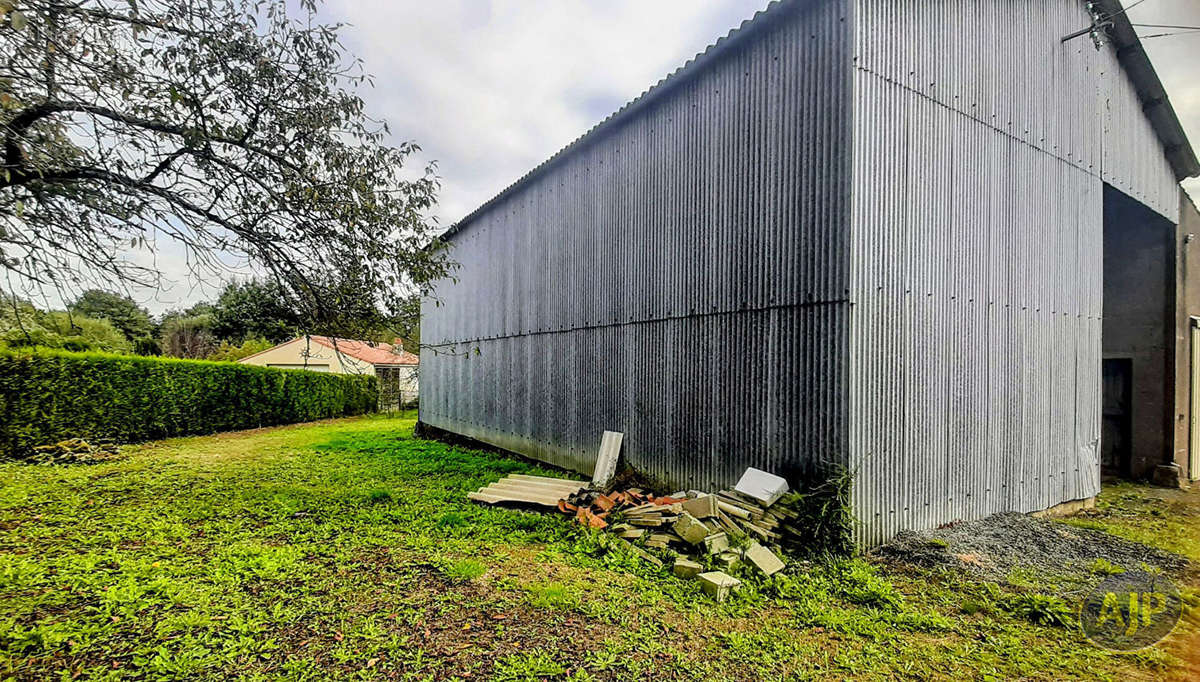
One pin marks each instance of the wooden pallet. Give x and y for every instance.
(527, 489)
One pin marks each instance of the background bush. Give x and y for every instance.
(47, 396)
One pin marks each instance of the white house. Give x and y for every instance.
(396, 369)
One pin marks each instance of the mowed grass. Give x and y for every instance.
(348, 550)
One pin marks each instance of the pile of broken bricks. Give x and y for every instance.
(744, 524)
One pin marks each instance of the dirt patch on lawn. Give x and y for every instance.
(993, 547)
(470, 633)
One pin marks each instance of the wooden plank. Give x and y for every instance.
(744, 500)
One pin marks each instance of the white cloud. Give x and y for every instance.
(491, 89)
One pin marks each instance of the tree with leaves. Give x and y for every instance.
(23, 325)
(255, 308)
(229, 127)
(123, 312)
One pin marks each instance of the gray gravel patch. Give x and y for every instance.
(993, 547)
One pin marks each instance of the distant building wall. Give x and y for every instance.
(1187, 306)
(302, 353)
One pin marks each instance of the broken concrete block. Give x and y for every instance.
(646, 555)
(606, 460)
(1169, 476)
(686, 568)
(728, 560)
(716, 543)
(718, 584)
(651, 521)
(701, 507)
(690, 529)
(633, 533)
(764, 487)
(764, 559)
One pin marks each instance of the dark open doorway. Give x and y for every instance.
(1116, 432)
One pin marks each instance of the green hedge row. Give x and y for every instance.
(47, 396)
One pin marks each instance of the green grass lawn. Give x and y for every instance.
(348, 550)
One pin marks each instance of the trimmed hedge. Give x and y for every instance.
(47, 396)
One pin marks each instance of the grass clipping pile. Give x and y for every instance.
(706, 536)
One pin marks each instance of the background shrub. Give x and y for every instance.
(47, 396)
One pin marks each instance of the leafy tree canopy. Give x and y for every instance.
(257, 308)
(230, 127)
(127, 316)
(23, 325)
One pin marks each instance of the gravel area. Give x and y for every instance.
(991, 548)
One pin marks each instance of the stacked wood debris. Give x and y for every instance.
(740, 530)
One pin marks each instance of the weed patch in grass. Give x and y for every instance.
(464, 569)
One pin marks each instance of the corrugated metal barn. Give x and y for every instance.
(864, 233)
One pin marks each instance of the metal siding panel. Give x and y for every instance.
(976, 255)
(679, 275)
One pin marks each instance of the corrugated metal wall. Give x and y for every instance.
(680, 274)
(869, 236)
(981, 144)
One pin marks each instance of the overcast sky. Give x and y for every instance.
(490, 89)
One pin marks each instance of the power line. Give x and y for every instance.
(1172, 33)
(1166, 26)
(1124, 10)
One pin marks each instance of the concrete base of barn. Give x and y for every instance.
(1066, 508)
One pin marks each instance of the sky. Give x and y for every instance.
(489, 89)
